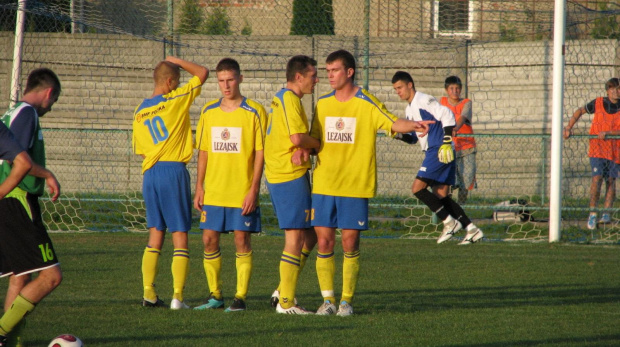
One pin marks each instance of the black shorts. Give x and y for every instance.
(25, 246)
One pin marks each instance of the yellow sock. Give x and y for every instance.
(244, 273)
(350, 272)
(305, 253)
(150, 261)
(213, 266)
(325, 269)
(180, 267)
(19, 309)
(289, 272)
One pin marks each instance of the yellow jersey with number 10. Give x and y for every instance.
(346, 163)
(161, 126)
(231, 140)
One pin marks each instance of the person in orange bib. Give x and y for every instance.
(604, 153)
(464, 146)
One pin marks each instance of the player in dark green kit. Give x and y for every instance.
(26, 248)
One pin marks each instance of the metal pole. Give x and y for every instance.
(555, 207)
(366, 42)
(77, 16)
(17, 52)
(170, 29)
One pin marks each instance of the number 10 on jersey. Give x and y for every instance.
(157, 128)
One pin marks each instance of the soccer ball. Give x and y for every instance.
(66, 340)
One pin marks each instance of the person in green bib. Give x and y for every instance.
(26, 247)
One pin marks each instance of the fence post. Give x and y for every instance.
(17, 52)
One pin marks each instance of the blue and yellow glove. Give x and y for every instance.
(446, 153)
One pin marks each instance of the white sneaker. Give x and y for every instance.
(177, 304)
(326, 309)
(449, 229)
(275, 298)
(472, 237)
(345, 309)
(293, 310)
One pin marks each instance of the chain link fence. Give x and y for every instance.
(104, 53)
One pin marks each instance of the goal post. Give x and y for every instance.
(555, 212)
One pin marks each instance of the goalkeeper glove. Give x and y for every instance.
(446, 153)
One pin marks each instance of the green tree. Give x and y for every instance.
(192, 18)
(606, 27)
(312, 17)
(218, 22)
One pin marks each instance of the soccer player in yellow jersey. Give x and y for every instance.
(346, 122)
(287, 144)
(162, 135)
(230, 138)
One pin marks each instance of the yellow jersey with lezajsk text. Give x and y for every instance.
(231, 140)
(346, 162)
(161, 126)
(286, 117)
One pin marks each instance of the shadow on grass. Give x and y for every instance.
(484, 297)
(606, 340)
(200, 338)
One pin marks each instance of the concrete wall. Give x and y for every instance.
(106, 76)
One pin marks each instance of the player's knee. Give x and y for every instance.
(326, 245)
(52, 277)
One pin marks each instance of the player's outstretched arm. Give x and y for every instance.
(194, 69)
(568, 130)
(21, 165)
(406, 126)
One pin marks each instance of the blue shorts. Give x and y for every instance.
(339, 212)
(226, 219)
(604, 167)
(292, 202)
(437, 171)
(168, 197)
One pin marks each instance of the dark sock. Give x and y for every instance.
(455, 210)
(429, 199)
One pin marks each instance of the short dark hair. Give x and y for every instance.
(164, 70)
(612, 83)
(298, 64)
(403, 76)
(42, 78)
(453, 80)
(228, 64)
(345, 57)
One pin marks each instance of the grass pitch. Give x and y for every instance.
(410, 293)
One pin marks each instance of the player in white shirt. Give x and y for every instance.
(438, 168)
